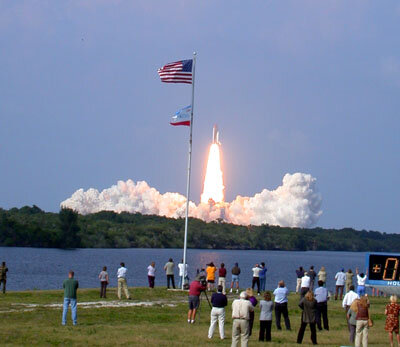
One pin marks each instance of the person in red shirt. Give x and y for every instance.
(195, 290)
(222, 277)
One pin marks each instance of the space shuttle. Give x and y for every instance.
(215, 137)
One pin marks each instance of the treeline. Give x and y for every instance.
(31, 226)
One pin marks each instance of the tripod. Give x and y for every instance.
(208, 300)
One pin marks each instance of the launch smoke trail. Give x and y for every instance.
(296, 203)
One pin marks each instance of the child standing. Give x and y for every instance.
(266, 307)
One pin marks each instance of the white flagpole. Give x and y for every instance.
(188, 175)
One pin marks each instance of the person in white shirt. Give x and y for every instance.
(256, 278)
(340, 278)
(305, 285)
(182, 273)
(349, 298)
(121, 274)
(361, 279)
(151, 274)
(241, 309)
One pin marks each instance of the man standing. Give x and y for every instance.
(305, 285)
(312, 275)
(169, 271)
(235, 277)
(349, 298)
(218, 301)
(70, 288)
(256, 278)
(340, 278)
(122, 284)
(281, 305)
(3, 275)
(195, 290)
(241, 309)
(263, 278)
(182, 273)
(299, 274)
(222, 278)
(321, 295)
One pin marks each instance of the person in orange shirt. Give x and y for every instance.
(211, 269)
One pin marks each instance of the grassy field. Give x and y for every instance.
(34, 318)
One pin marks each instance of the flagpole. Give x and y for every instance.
(188, 175)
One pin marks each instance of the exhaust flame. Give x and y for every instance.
(213, 182)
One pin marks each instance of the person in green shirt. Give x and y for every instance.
(70, 288)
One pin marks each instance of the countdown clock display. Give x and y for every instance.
(384, 272)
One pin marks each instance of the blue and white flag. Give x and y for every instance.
(182, 117)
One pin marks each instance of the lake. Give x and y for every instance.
(44, 268)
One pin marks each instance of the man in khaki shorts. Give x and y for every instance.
(121, 274)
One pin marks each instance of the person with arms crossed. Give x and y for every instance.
(70, 288)
(340, 278)
(241, 309)
(122, 284)
(218, 301)
(281, 305)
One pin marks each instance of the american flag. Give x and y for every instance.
(177, 72)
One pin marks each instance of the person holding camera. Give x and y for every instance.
(195, 289)
(218, 301)
(241, 309)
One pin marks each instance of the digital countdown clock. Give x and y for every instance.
(384, 272)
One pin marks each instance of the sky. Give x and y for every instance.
(294, 86)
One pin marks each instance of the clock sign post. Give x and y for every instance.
(384, 272)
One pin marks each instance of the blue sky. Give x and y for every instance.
(294, 86)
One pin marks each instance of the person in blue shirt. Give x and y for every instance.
(281, 305)
(321, 295)
(263, 277)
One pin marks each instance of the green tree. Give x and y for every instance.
(69, 229)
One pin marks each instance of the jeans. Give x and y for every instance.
(339, 289)
(217, 315)
(303, 329)
(151, 281)
(352, 332)
(74, 315)
(262, 283)
(279, 310)
(171, 278)
(4, 281)
(103, 289)
(180, 282)
(265, 330)
(361, 291)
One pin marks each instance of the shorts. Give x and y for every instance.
(194, 302)
(235, 278)
(211, 281)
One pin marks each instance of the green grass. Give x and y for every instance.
(157, 325)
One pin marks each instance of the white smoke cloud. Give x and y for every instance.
(296, 203)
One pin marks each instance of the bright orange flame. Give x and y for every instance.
(213, 182)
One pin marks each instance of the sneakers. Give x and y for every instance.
(192, 321)
(189, 321)
(237, 291)
(230, 291)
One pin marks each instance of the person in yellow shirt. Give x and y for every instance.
(211, 269)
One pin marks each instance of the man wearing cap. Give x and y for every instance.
(340, 278)
(241, 309)
(195, 290)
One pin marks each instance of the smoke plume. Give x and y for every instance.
(296, 203)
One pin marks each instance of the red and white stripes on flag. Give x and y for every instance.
(177, 72)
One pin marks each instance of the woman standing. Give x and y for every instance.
(266, 307)
(151, 274)
(362, 322)
(211, 269)
(253, 300)
(103, 277)
(308, 304)
(392, 319)
(322, 275)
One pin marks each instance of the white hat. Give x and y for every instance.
(243, 295)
